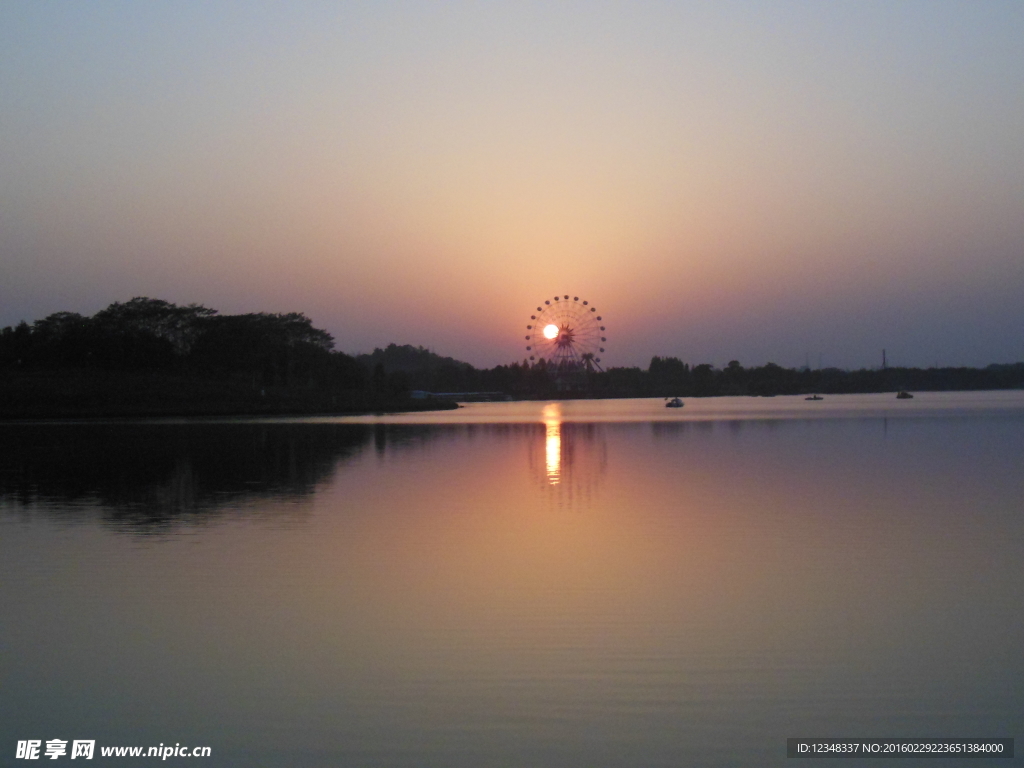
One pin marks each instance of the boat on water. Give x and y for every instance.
(814, 397)
(675, 402)
(904, 395)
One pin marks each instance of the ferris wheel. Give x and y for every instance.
(566, 333)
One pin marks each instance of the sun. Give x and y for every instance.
(550, 331)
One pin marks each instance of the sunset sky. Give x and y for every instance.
(796, 182)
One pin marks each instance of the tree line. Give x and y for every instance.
(671, 377)
(149, 357)
(285, 351)
(157, 336)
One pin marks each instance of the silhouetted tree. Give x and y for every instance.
(669, 376)
(272, 348)
(704, 380)
(734, 379)
(142, 316)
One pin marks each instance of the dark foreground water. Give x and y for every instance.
(533, 584)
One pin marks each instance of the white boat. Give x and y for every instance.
(675, 402)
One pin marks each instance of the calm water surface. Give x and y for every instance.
(599, 583)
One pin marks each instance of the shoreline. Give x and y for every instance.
(65, 417)
(93, 395)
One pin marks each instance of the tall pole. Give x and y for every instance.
(883, 360)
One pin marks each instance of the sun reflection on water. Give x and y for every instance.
(552, 416)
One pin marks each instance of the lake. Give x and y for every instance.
(586, 583)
